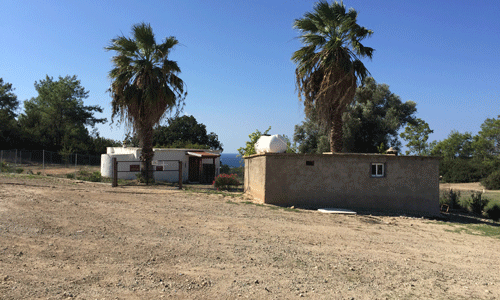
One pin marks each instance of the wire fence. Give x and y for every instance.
(44, 157)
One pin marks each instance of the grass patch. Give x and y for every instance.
(475, 229)
(493, 196)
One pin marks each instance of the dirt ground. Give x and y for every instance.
(63, 239)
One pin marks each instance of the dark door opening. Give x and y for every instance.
(194, 169)
(208, 173)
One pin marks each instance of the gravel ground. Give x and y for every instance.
(63, 239)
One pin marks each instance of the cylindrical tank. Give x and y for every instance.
(106, 165)
(272, 144)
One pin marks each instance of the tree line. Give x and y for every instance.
(58, 120)
(55, 120)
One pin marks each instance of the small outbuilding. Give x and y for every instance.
(375, 182)
(198, 165)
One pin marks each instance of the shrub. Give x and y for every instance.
(476, 203)
(70, 176)
(83, 172)
(19, 170)
(450, 198)
(492, 182)
(225, 181)
(492, 210)
(94, 177)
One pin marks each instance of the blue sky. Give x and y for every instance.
(235, 56)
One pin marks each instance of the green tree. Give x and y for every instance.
(329, 65)
(310, 138)
(416, 134)
(8, 100)
(9, 131)
(375, 117)
(99, 143)
(487, 141)
(456, 145)
(183, 131)
(57, 118)
(145, 86)
(249, 148)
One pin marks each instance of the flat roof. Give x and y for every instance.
(202, 154)
(330, 154)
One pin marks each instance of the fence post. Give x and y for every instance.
(43, 159)
(20, 157)
(1, 155)
(180, 175)
(115, 173)
(15, 158)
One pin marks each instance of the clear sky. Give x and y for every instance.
(235, 56)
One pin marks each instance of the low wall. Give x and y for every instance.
(410, 183)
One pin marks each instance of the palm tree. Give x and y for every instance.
(145, 86)
(328, 65)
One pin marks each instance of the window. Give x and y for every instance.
(135, 168)
(159, 168)
(378, 170)
(309, 162)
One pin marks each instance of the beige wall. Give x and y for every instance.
(255, 179)
(410, 184)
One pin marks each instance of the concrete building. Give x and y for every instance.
(197, 165)
(376, 182)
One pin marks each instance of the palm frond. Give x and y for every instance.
(328, 65)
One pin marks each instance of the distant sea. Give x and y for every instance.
(231, 160)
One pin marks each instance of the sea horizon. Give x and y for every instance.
(231, 159)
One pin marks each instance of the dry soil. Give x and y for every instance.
(63, 239)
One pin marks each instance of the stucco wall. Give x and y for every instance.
(255, 179)
(161, 157)
(410, 184)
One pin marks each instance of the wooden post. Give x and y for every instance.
(215, 169)
(115, 173)
(180, 175)
(200, 180)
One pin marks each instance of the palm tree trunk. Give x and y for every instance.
(146, 143)
(336, 133)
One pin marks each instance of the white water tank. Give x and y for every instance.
(271, 144)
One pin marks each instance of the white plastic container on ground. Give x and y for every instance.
(271, 144)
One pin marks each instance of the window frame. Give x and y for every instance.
(376, 175)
